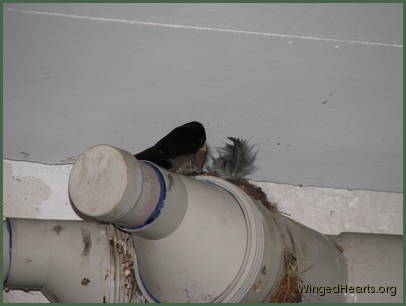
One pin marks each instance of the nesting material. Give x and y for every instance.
(287, 290)
(254, 192)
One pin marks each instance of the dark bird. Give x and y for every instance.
(183, 150)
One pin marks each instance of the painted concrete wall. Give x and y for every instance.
(318, 87)
(34, 190)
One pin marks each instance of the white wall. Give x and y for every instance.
(318, 87)
(34, 190)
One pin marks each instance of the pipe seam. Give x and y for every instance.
(10, 248)
(255, 243)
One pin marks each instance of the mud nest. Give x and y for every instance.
(252, 190)
(287, 290)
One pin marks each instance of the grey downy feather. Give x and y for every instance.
(235, 159)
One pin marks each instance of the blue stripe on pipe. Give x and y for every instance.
(228, 191)
(161, 201)
(145, 287)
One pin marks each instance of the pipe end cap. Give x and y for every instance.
(104, 182)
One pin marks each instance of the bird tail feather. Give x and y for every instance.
(235, 159)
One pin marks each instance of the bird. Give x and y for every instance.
(236, 160)
(235, 163)
(182, 150)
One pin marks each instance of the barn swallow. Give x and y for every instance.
(183, 150)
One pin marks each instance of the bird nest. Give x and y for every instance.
(287, 290)
(254, 192)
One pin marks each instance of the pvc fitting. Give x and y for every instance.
(375, 262)
(110, 184)
(201, 240)
(213, 255)
(229, 249)
(205, 240)
(70, 261)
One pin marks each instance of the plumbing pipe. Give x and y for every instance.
(69, 261)
(197, 240)
(374, 261)
(109, 184)
(222, 248)
(52, 264)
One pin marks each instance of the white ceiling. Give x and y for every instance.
(317, 87)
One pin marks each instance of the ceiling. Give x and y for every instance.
(316, 87)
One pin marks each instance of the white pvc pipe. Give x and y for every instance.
(209, 242)
(111, 185)
(375, 267)
(69, 261)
